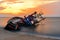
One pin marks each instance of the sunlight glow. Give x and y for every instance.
(16, 7)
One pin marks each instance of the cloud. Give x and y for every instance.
(14, 6)
(2, 8)
(10, 0)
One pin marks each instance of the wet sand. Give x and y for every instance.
(7, 35)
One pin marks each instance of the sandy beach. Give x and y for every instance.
(7, 35)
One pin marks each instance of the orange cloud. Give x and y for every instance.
(10, 0)
(2, 8)
(13, 6)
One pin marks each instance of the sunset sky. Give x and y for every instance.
(25, 7)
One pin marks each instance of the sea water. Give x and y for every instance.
(49, 27)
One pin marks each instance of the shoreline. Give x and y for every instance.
(43, 36)
(19, 34)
